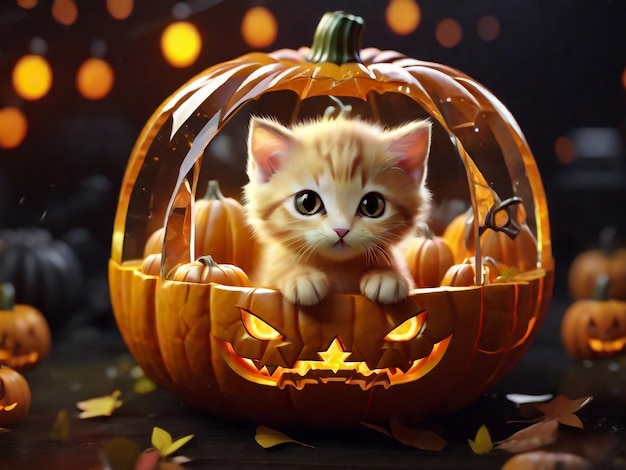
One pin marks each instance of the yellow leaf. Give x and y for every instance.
(100, 406)
(482, 443)
(143, 385)
(162, 441)
(61, 428)
(268, 437)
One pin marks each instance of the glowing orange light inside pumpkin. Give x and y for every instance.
(564, 150)
(32, 77)
(257, 328)
(448, 32)
(64, 11)
(94, 78)
(27, 4)
(488, 28)
(407, 330)
(259, 27)
(624, 78)
(403, 16)
(181, 44)
(120, 9)
(13, 127)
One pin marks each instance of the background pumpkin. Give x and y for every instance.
(14, 396)
(495, 323)
(607, 259)
(24, 333)
(595, 328)
(45, 272)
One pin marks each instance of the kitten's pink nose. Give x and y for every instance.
(342, 232)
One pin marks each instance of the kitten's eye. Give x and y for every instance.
(308, 202)
(372, 205)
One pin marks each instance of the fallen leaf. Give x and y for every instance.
(148, 460)
(542, 460)
(4, 430)
(120, 453)
(100, 406)
(376, 428)
(268, 437)
(61, 428)
(143, 385)
(162, 440)
(418, 438)
(531, 438)
(482, 443)
(562, 409)
(521, 399)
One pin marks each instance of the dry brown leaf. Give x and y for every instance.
(482, 443)
(418, 438)
(560, 409)
(531, 438)
(542, 460)
(268, 438)
(376, 428)
(61, 428)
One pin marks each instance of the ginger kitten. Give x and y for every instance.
(330, 200)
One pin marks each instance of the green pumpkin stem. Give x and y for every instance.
(337, 39)
(607, 240)
(213, 191)
(7, 297)
(602, 287)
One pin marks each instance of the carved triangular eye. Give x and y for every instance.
(408, 329)
(258, 328)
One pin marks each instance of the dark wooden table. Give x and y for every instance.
(86, 362)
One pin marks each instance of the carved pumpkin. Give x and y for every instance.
(428, 257)
(221, 230)
(589, 265)
(14, 396)
(595, 328)
(24, 332)
(46, 273)
(347, 359)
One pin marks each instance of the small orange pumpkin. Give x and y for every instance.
(595, 328)
(221, 230)
(428, 257)
(14, 396)
(24, 332)
(590, 264)
(464, 274)
(205, 270)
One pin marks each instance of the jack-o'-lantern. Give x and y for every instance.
(595, 328)
(346, 359)
(24, 332)
(14, 396)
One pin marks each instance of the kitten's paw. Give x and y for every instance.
(386, 287)
(305, 288)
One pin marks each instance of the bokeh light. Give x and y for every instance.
(120, 9)
(624, 78)
(564, 150)
(403, 16)
(13, 127)
(448, 32)
(32, 77)
(488, 28)
(259, 27)
(181, 44)
(95, 78)
(64, 11)
(27, 4)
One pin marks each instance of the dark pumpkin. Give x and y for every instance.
(45, 272)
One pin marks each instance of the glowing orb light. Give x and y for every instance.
(95, 78)
(259, 27)
(403, 16)
(13, 127)
(32, 77)
(181, 44)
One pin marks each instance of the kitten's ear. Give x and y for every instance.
(268, 143)
(410, 144)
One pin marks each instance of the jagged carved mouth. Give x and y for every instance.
(607, 347)
(333, 367)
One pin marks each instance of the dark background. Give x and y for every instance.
(557, 65)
